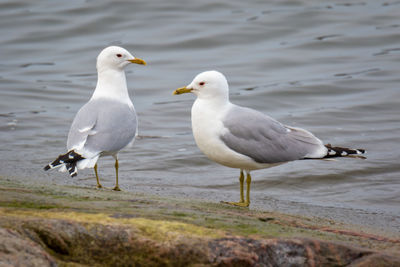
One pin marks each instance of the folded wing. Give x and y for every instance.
(265, 140)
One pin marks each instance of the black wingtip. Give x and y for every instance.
(336, 151)
(69, 159)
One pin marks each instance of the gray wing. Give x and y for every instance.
(264, 139)
(103, 126)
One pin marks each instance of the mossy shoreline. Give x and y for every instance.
(86, 226)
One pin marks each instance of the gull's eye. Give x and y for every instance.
(201, 83)
(119, 55)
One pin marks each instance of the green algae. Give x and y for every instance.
(28, 205)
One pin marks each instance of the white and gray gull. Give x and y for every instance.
(107, 123)
(244, 138)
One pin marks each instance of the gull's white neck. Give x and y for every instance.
(215, 102)
(111, 84)
(205, 109)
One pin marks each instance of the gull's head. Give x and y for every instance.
(208, 84)
(117, 58)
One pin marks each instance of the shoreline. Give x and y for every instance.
(167, 220)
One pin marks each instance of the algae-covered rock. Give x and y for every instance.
(125, 245)
(70, 226)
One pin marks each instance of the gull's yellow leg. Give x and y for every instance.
(97, 177)
(242, 203)
(241, 180)
(116, 188)
(248, 182)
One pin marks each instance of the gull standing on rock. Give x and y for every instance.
(105, 124)
(244, 138)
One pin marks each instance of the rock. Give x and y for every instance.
(293, 252)
(125, 245)
(16, 250)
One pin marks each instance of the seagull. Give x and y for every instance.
(243, 138)
(107, 123)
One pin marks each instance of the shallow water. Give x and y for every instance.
(331, 68)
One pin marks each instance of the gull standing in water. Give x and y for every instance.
(105, 124)
(244, 138)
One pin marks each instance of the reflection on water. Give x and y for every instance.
(330, 68)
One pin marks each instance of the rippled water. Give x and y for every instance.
(331, 67)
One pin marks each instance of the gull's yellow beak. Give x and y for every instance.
(137, 61)
(182, 90)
